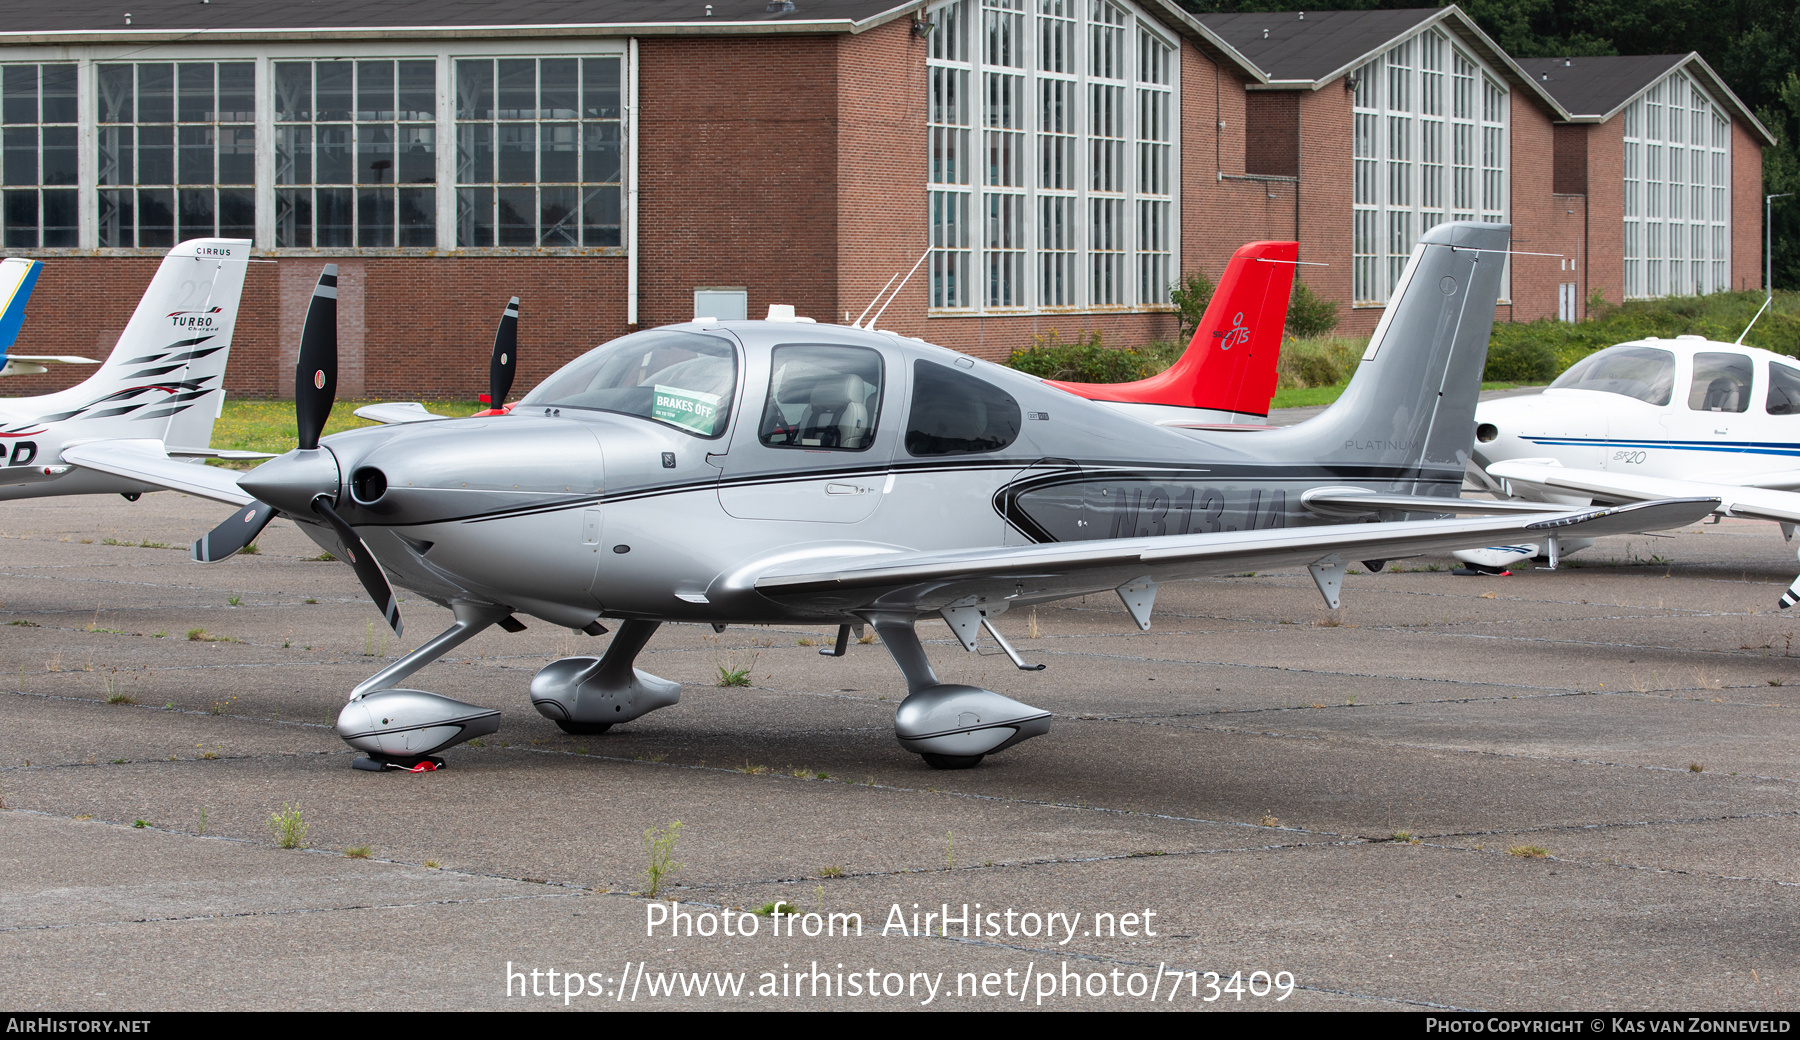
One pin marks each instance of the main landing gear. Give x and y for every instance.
(950, 725)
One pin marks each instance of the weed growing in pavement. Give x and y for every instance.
(803, 641)
(203, 822)
(432, 864)
(750, 770)
(234, 600)
(140, 824)
(288, 827)
(1696, 767)
(1529, 852)
(221, 707)
(832, 872)
(1031, 626)
(250, 550)
(357, 852)
(659, 849)
(780, 904)
(1269, 820)
(867, 638)
(1404, 837)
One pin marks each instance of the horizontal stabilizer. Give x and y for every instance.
(393, 412)
(51, 359)
(147, 461)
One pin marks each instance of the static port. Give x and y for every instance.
(1486, 432)
(367, 485)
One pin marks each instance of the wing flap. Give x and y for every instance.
(1039, 573)
(1349, 501)
(149, 462)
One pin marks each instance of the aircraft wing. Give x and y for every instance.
(925, 582)
(148, 461)
(392, 412)
(1751, 502)
(51, 359)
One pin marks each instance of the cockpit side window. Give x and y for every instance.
(684, 379)
(822, 398)
(1644, 373)
(1721, 383)
(1784, 390)
(957, 414)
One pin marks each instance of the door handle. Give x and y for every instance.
(845, 489)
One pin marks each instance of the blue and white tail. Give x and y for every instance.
(165, 377)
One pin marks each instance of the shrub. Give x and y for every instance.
(1309, 314)
(1319, 361)
(1521, 359)
(1089, 360)
(1190, 297)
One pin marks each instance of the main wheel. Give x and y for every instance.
(951, 761)
(583, 729)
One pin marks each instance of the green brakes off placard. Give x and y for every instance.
(694, 409)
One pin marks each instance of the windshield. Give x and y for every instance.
(684, 379)
(1646, 373)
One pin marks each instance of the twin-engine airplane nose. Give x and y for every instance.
(292, 481)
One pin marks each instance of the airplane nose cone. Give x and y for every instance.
(292, 481)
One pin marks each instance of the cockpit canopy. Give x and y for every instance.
(685, 379)
(1645, 373)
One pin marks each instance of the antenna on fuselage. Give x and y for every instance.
(896, 292)
(1759, 313)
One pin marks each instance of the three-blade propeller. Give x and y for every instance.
(315, 391)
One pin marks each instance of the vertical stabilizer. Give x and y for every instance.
(1229, 365)
(165, 376)
(17, 278)
(1409, 412)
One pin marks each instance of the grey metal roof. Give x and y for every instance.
(1597, 86)
(1595, 89)
(1311, 45)
(152, 16)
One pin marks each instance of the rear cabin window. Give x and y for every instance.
(1721, 383)
(822, 398)
(1784, 390)
(957, 414)
(1645, 373)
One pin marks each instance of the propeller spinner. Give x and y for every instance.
(305, 479)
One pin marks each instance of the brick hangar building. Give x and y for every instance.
(1044, 164)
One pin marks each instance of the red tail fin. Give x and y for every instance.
(1230, 363)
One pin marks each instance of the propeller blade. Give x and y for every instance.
(223, 541)
(315, 372)
(505, 361)
(367, 570)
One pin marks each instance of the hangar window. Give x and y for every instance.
(538, 152)
(957, 414)
(1052, 153)
(1677, 161)
(1646, 373)
(176, 151)
(1429, 144)
(356, 153)
(38, 156)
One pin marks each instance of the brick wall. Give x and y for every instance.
(1605, 267)
(1326, 182)
(1537, 218)
(1571, 159)
(1272, 144)
(1747, 208)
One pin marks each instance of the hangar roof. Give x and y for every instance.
(24, 22)
(1596, 89)
(1308, 49)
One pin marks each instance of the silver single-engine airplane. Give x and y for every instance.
(768, 472)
